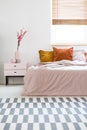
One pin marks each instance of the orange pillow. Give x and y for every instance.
(63, 54)
(46, 56)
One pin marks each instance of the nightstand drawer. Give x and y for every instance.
(15, 73)
(14, 66)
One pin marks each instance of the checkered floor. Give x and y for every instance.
(43, 113)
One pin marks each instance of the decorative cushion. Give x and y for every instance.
(85, 56)
(63, 54)
(46, 56)
(79, 55)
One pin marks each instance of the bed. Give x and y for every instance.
(61, 78)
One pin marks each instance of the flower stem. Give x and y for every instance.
(17, 48)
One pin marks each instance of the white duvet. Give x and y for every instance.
(63, 64)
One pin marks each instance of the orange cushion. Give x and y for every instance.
(63, 54)
(45, 56)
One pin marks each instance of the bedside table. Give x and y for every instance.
(14, 70)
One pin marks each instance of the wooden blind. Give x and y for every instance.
(69, 11)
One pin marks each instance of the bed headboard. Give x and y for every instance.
(75, 45)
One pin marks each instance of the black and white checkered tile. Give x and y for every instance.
(43, 113)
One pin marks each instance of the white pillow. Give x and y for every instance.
(79, 55)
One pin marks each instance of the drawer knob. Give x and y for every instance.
(14, 65)
(14, 72)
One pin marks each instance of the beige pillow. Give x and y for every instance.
(79, 55)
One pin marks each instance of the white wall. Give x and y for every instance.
(34, 16)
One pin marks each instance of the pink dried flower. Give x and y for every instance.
(20, 35)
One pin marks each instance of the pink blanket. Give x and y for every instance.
(59, 78)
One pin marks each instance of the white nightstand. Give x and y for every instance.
(14, 70)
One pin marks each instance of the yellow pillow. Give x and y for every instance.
(46, 56)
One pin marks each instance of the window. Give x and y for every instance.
(69, 12)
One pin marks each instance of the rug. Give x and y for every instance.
(43, 113)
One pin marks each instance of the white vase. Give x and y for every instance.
(17, 57)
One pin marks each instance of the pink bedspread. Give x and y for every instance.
(56, 79)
